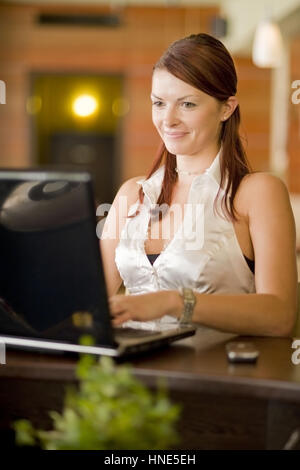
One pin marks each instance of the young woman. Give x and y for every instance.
(204, 239)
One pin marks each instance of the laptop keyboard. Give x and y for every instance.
(127, 332)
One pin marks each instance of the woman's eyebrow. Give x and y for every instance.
(179, 99)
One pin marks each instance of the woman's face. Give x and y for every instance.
(187, 119)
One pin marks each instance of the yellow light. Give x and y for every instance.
(85, 105)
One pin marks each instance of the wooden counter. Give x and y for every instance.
(224, 406)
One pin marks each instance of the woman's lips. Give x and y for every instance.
(175, 135)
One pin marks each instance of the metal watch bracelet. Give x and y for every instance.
(189, 301)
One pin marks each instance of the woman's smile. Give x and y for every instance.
(175, 134)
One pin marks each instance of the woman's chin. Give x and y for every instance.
(176, 149)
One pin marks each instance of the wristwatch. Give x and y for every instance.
(189, 301)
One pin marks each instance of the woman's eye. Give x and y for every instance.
(188, 104)
(157, 103)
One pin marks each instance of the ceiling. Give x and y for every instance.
(242, 15)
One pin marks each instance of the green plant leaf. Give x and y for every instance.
(110, 409)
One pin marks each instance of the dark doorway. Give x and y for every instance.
(64, 139)
(92, 152)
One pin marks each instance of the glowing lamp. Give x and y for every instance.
(267, 45)
(85, 105)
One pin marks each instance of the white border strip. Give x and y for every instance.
(2, 352)
(59, 346)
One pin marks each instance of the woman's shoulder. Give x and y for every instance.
(263, 189)
(131, 186)
(261, 177)
(262, 183)
(127, 194)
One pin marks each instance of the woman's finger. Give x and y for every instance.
(121, 319)
(117, 311)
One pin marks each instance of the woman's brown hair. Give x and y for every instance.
(203, 62)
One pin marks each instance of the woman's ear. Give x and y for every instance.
(229, 107)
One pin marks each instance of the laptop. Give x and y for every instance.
(52, 286)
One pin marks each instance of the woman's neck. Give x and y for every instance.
(192, 165)
(189, 166)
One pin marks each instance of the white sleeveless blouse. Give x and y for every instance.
(204, 253)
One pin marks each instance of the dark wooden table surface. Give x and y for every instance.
(224, 406)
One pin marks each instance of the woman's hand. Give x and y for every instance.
(144, 307)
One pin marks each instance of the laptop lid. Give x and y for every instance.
(52, 285)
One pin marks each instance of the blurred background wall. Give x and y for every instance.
(37, 41)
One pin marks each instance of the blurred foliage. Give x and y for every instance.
(109, 410)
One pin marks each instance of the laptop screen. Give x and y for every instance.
(51, 278)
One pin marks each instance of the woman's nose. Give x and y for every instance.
(171, 117)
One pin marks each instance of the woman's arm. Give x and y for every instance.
(271, 310)
(115, 220)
